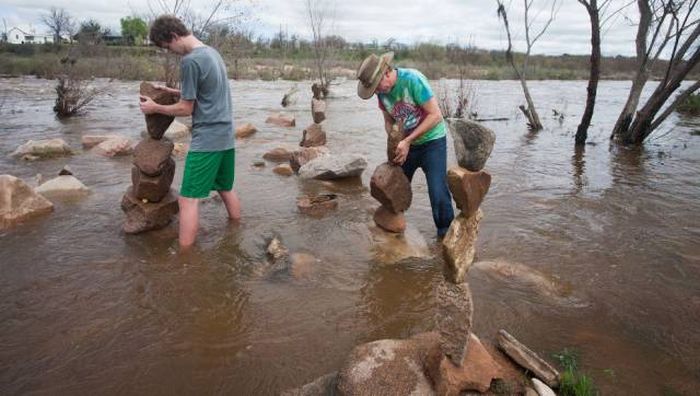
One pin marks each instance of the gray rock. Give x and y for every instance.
(459, 245)
(332, 167)
(90, 141)
(390, 186)
(64, 186)
(454, 319)
(45, 148)
(177, 131)
(473, 143)
(304, 155)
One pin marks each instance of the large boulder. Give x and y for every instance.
(468, 188)
(153, 188)
(304, 155)
(157, 124)
(115, 147)
(45, 148)
(19, 202)
(177, 131)
(389, 221)
(318, 110)
(388, 367)
(390, 186)
(281, 119)
(245, 130)
(151, 156)
(459, 245)
(278, 154)
(473, 143)
(64, 186)
(90, 141)
(313, 136)
(454, 319)
(144, 216)
(330, 167)
(475, 373)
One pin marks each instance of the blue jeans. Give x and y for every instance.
(432, 158)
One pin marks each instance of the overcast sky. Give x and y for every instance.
(407, 21)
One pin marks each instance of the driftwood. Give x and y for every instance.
(492, 119)
(528, 359)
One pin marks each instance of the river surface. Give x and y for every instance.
(86, 309)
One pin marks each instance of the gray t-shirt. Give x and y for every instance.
(204, 80)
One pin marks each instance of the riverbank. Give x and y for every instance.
(149, 63)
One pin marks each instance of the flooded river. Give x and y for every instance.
(86, 309)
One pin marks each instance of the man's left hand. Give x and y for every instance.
(147, 105)
(401, 152)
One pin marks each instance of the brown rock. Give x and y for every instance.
(158, 123)
(142, 217)
(278, 154)
(459, 245)
(281, 119)
(454, 319)
(390, 221)
(313, 136)
(476, 372)
(302, 264)
(153, 188)
(390, 186)
(318, 110)
(151, 156)
(317, 205)
(245, 130)
(319, 91)
(468, 188)
(389, 367)
(19, 202)
(114, 147)
(90, 141)
(304, 155)
(283, 170)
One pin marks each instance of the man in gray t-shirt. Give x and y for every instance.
(205, 95)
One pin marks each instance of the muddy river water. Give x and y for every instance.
(86, 309)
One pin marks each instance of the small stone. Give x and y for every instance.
(304, 155)
(281, 119)
(259, 164)
(283, 170)
(318, 110)
(144, 200)
(245, 130)
(317, 205)
(278, 154)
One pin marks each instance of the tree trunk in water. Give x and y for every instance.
(531, 114)
(592, 89)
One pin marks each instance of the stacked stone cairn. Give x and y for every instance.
(390, 186)
(313, 134)
(150, 203)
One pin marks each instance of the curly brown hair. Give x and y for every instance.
(163, 28)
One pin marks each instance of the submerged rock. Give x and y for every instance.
(391, 248)
(281, 119)
(245, 130)
(283, 170)
(317, 205)
(152, 156)
(19, 202)
(90, 141)
(388, 220)
(45, 148)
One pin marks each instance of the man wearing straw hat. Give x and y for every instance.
(405, 97)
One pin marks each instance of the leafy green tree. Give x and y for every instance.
(134, 30)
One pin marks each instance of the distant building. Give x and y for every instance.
(19, 36)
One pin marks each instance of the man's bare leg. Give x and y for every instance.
(189, 220)
(233, 204)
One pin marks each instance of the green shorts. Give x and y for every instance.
(207, 171)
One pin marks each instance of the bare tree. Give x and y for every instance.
(531, 38)
(319, 14)
(596, 11)
(59, 22)
(661, 22)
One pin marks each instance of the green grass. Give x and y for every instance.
(572, 381)
(690, 106)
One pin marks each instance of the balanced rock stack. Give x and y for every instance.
(390, 186)
(313, 140)
(150, 203)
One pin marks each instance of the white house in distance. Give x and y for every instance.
(19, 36)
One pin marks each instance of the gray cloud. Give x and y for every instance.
(441, 21)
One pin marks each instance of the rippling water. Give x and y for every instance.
(85, 309)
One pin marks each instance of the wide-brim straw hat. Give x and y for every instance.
(370, 73)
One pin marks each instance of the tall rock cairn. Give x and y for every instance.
(390, 186)
(313, 140)
(469, 184)
(150, 203)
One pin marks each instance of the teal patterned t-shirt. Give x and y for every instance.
(404, 103)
